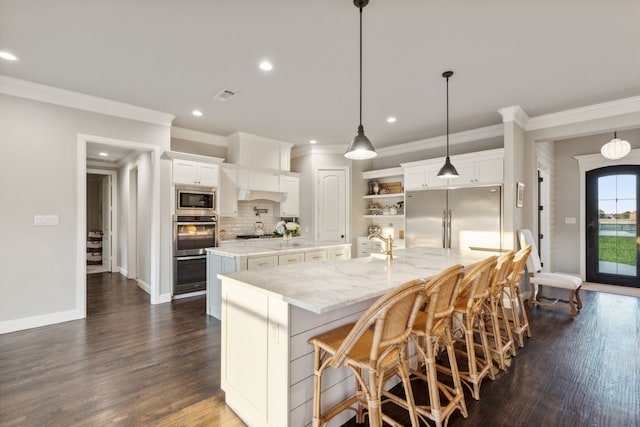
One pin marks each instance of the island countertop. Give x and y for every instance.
(323, 286)
(267, 247)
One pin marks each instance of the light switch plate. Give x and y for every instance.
(569, 220)
(45, 220)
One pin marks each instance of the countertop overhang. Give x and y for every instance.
(323, 286)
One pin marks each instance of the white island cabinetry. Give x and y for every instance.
(268, 316)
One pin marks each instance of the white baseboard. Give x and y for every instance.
(144, 286)
(164, 298)
(124, 272)
(37, 321)
(190, 294)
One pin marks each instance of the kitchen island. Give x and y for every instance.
(268, 316)
(257, 254)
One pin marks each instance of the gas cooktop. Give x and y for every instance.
(253, 236)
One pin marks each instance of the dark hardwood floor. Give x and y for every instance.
(131, 364)
(128, 363)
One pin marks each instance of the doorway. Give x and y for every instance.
(332, 205)
(613, 242)
(101, 207)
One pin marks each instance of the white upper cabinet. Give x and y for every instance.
(228, 193)
(258, 152)
(480, 168)
(423, 177)
(481, 171)
(290, 185)
(188, 172)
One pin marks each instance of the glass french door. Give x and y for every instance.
(613, 242)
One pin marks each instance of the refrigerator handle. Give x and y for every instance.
(444, 228)
(449, 230)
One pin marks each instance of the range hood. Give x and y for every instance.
(249, 194)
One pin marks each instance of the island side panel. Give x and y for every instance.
(245, 333)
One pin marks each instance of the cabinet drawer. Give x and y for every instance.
(315, 256)
(257, 263)
(338, 253)
(290, 259)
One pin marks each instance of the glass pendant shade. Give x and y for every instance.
(360, 148)
(448, 170)
(615, 149)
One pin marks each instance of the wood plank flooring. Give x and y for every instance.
(132, 364)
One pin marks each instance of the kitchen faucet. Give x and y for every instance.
(388, 241)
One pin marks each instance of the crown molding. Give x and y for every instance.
(514, 114)
(197, 136)
(479, 134)
(583, 114)
(317, 149)
(67, 98)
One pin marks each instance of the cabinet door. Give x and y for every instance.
(466, 172)
(228, 193)
(315, 255)
(207, 175)
(256, 263)
(490, 171)
(290, 258)
(364, 247)
(415, 178)
(291, 186)
(185, 172)
(433, 180)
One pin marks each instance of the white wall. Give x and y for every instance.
(38, 175)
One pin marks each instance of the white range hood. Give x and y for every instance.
(249, 194)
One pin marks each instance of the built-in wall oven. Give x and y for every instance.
(194, 230)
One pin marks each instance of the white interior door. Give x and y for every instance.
(332, 205)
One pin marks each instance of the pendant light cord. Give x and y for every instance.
(447, 117)
(360, 66)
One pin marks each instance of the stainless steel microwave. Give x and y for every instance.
(195, 201)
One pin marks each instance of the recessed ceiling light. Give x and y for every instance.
(391, 119)
(266, 66)
(103, 154)
(8, 56)
(197, 113)
(313, 141)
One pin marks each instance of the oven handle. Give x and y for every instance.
(186, 258)
(196, 223)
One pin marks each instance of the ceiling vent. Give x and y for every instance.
(225, 95)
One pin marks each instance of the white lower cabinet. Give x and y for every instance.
(315, 256)
(256, 263)
(342, 252)
(290, 259)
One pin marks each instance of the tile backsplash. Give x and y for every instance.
(244, 223)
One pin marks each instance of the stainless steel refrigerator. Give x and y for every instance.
(463, 218)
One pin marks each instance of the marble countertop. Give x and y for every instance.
(323, 286)
(268, 247)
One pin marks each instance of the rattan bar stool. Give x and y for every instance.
(501, 342)
(468, 320)
(372, 348)
(431, 332)
(514, 304)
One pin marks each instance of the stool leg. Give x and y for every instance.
(317, 387)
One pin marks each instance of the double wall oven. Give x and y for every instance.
(194, 230)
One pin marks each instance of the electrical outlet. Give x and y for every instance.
(45, 220)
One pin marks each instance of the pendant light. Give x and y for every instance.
(615, 149)
(360, 148)
(448, 170)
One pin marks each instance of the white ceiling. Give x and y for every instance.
(173, 56)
